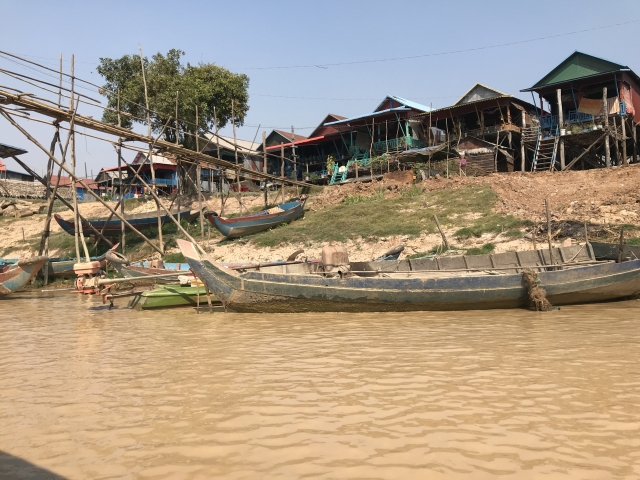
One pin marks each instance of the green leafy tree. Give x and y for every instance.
(208, 86)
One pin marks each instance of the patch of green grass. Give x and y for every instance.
(514, 233)
(493, 223)
(409, 214)
(634, 241)
(483, 250)
(413, 191)
(174, 258)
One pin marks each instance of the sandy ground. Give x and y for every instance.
(603, 196)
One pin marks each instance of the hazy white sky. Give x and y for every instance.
(256, 37)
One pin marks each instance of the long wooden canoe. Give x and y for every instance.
(171, 296)
(112, 227)
(256, 222)
(572, 275)
(14, 277)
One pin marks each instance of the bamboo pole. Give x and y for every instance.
(178, 163)
(199, 179)
(33, 104)
(78, 233)
(282, 167)
(150, 156)
(121, 199)
(235, 152)
(621, 245)
(63, 200)
(44, 241)
(68, 172)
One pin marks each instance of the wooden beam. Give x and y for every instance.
(28, 103)
(585, 151)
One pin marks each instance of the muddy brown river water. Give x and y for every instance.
(91, 393)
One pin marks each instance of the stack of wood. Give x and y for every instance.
(18, 208)
(19, 189)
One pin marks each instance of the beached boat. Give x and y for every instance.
(112, 227)
(14, 277)
(171, 296)
(569, 275)
(256, 222)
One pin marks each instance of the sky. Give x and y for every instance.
(307, 59)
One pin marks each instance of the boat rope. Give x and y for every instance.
(537, 295)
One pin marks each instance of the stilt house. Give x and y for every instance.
(595, 110)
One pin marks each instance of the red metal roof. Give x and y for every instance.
(302, 142)
(2, 167)
(66, 181)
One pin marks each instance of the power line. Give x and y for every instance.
(436, 54)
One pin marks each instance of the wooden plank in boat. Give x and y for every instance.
(452, 263)
(419, 264)
(481, 262)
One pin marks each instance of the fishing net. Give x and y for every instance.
(537, 295)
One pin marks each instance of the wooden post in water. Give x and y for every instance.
(605, 121)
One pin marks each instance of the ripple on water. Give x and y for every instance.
(92, 393)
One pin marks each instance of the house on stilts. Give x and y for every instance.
(594, 113)
(484, 129)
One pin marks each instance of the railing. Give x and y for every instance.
(400, 143)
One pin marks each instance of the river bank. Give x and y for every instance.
(499, 212)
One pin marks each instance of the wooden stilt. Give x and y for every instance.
(634, 135)
(605, 121)
(623, 122)
(264, 166)
(523, 156)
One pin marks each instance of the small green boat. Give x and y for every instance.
(170, 296)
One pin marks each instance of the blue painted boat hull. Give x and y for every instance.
(113, 227)
(16, 276)
(248, 224)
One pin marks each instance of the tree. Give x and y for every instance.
(206, 85)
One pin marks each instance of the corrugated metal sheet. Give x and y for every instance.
(7, 151)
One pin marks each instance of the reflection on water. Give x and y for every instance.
(92, 393)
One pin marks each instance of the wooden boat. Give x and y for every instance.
(171, 296)
(14, 277)
(112, 227)
(256, 222)
(571, 275)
